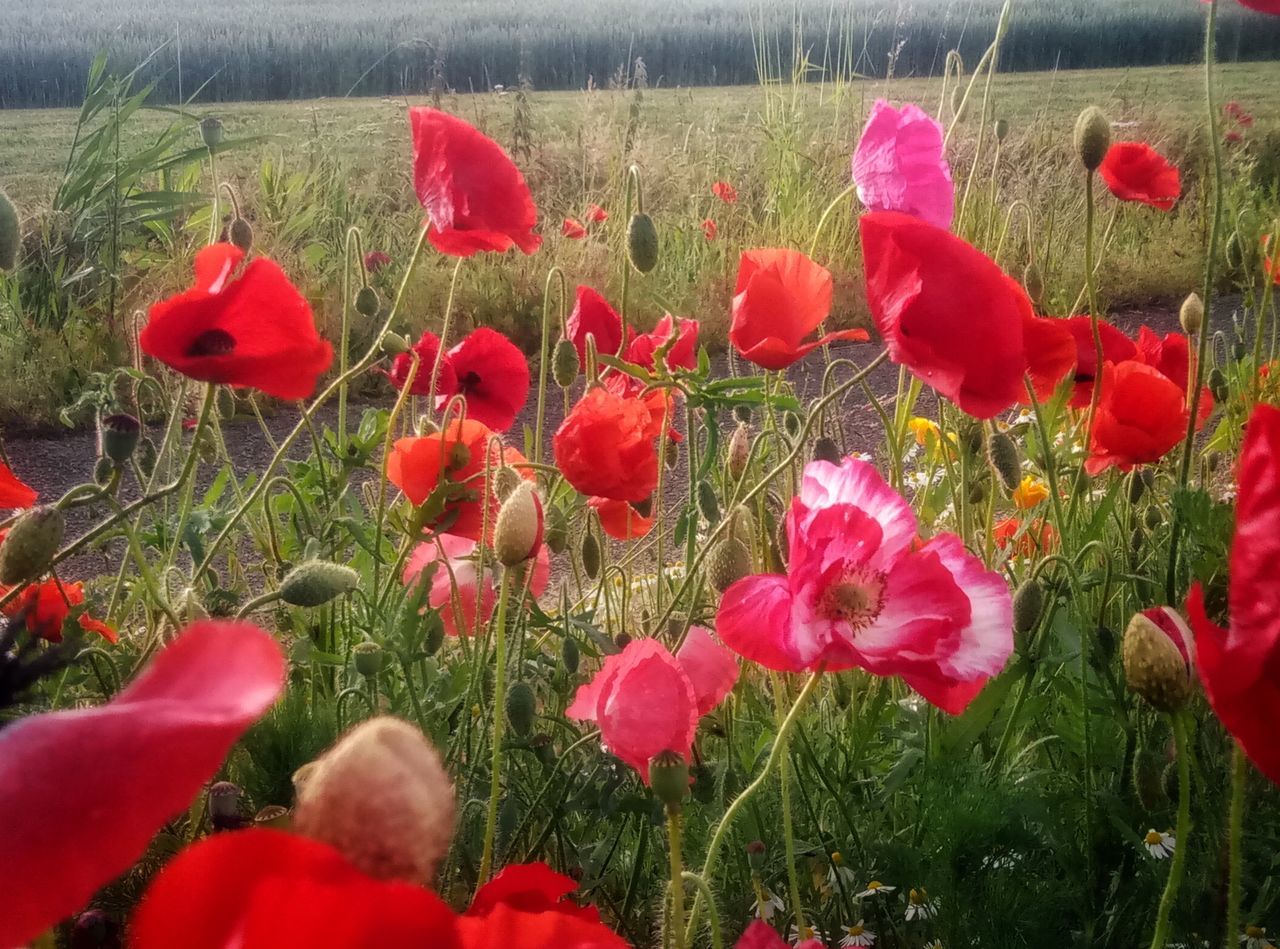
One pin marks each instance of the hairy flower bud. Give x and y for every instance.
(1001, 129)
(1092, 137)
(517, 536)
(1157, 666)
(590, 555)
(521, 706)
(30, 544)
(382, 797)
(241, 234)
(727, 563)
(565, 363)
(120, 434)
(1028, 603)
(826, 449)
(570, 655)
(1033, 281)
(1002, 455)
(316, 582)
(393, 344)
(367, 302)
(1191, 315)
(739, 451)
(642, 243)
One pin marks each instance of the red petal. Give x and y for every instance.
(104, 780)
(14, 493)
(214, 265)
(530, 888)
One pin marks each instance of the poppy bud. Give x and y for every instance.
(826, 449)
(755, 854)
(393, 344)
(1002, 455)
(978, 491)
(1139, 482)
(642, 243)
(1092, 137)
(241, 234)
(1191, 316)
(517, 536)
(727, 563)
(30, 544)
(1148, 783)
(591, 555)
(211, 132)
(1028, 603)
(10, 233)
(565, 363)
(1033, 281)
(316, 582)
(1154, 665)
(739, 451)
(224, 806)
(148, 454)
(669, 778)
(543, 749)
(708, 505)
(521, 706)
(742, 413)
(369, 658)
(120, 434)
(367, 303)
(570, 655)
(273, 816)
(435, 637)
(1239, 350)
(1217, 383)
(791, 423)
(1152, 518)
(505, 480)
(557, 530)
(1002, 129)
(382, 797)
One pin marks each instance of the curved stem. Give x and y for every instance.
(1178, 864)
(499, 707)
(704, 891)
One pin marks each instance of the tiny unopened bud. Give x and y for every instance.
(1002, 454)
(755, 854)
(30, 544)
(382, 797)
(1152, 518)
(565, 363)
(826, 449)
(211, 132)
(669, 778)
(739, 451)
(393, 344)
(521, 707)
(10, 233)
(1217, 383)
(505, 480)
(570, 655)
(316, 582)
(369, 658)
(708, 503)
(241, 234)
(590, 553)
(517, 536)
(791, 423)
(622, 640)
(1028, 603)
(367, 302)
(642, 243)
(1092, 137)
(224, 806)
(727, 563)
(148, 454)
(1191, 315)
(1155, 666)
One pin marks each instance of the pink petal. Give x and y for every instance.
(754, 620)
(900, 165)
(760, 935)
(586, 702)
(712, 669)
(650, 707)
(82, 792)
(456, 576)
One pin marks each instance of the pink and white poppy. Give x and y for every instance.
(900, 165)
(862, 592)
(457, 574)
(646, 700)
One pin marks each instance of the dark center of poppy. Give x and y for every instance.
(469, 381)
(214, 342)
(856, 598)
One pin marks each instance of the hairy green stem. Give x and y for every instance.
(1235, 836)
(499, 703)
(784, 779)
(1178, 865)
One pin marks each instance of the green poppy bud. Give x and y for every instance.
(508, 817)
(1154, 666)
(1028, 603)
(241, 234)
(120, 434)
(30, 544)
(708, 504)
(104, 469)
(727, 563)
(148, 454)
(1002, 129)
(1217, 383)
(393, 344)
(570, 655)
(1191, 315)
(316, 582)
(521, 707)
(1002, 455)
(642, 243)
(367, 302)
(517, 536)
(1152, 518)
(10, 234)
(1092, 137)
(565, 363)
(590, 552)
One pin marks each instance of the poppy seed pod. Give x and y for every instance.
(1002, 455)
(382, 797)
(10, 233)
(826, 449)
(369, 658)
(317, 582)
(517, 536)
(241, 234)
(211, 132)
(642, 243)
(367, 303)
(565, 363)
(1092, 137)
(1154, 665)
(521, 706)
(669, 778)
(1191, 315)
(727, 563)
(30, 544)
(120, 434)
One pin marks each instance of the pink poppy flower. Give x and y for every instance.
(683, 354)
(861, 592)
(592, 314)
(900, 165)
(646, 700)
(456, 573)
(760, 935)
(104, 780)
(375, 260)
(493, 375)
(573, 229)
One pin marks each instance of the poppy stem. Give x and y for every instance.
(784, 779)
(499, 700)
(1178, 864)
(677, 877)
(1091, 288)
(1235, 824)
(704, 891)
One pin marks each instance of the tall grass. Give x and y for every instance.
(247, 50)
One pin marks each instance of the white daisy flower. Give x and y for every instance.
(861, 456)
(936, 944)
(857, 935)
(919, 906)
(767, 903)
(875, 888)
(839, 872)
(805, 933)
(1255, 937)
(1161, 846)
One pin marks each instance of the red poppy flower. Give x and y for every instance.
(952, 317)
(475, 196)
(84, 770)
(452, 459)
(1142, 414)
(1263, 6)
(709, 229)
(44, 608)
(529, 905)
(254, 330)
(1116, 347)
(620, 520)
(597, 214)
(1171, 355)
(1038, 537)
(683, 353)
(592, 314)
(607, 445)
(573, 229)
(725, 192)
(1269, 260)
(782, 296)
(427, 349)
(375, 260)
(14, 492)
(1233, 137)
(493, 375)
(1240, 666)
(1134, 171)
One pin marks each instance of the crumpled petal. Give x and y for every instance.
(712, 669)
